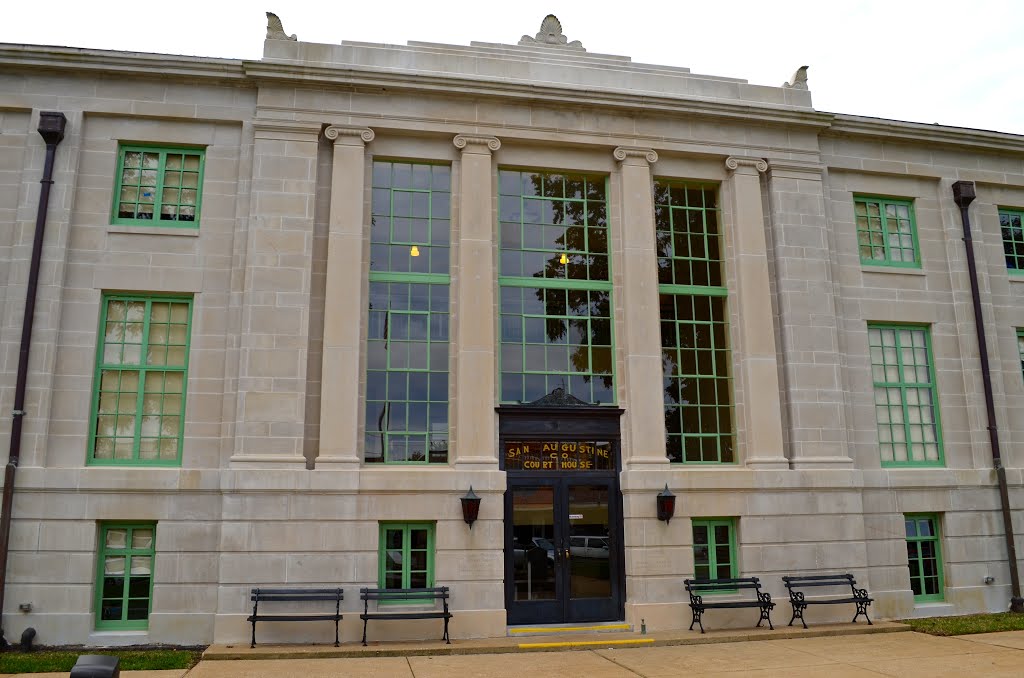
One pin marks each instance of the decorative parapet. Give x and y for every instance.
(742, 165)
(550, 35)
(461, 141)
(799, 79)
(275, 31)
(623, 152)
(347, 135)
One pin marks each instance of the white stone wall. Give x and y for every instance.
(263, 497)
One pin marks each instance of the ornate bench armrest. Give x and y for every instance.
(696, 600)
(764, 598)
(860, 593)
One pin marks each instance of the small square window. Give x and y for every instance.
(124, 575)
(158, 186)
(714, 549)
(406, 557)
(924, 557)
(886, 232)
(1010, 225)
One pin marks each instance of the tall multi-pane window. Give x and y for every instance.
(139, 387)
(556, 318)
(158, 186)
(124, 579)
(906, 405)
(697, 383)
(924, 557)
(406, 555)
(1010, 223)
(886, 232)
(714, 549)
(407, 341)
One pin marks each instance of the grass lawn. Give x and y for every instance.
(967, 624)
(44, 661)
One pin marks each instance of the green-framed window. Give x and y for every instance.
(697, 372)
(406, 555)
(1020, 348)
(1011, 223)
(906, 402)
(924, 557)
(886, 232)
(408, 338)
(138, 403)
(124, 575)
(158, 186)
(556, 289)
(714, 548)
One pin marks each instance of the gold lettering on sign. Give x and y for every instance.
(559, 455)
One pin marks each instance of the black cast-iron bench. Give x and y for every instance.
(258, 596)
(799, 601)
(697, 588)
(409, 596)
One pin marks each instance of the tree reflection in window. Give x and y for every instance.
(556, 326)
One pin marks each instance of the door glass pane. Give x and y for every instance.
(533, 546)
(589, 574)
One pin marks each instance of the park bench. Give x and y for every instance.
(858, 597)
(390, 597)
(295, 596)
(698, 588)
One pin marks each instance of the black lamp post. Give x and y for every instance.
(666, 504)
(470, 507)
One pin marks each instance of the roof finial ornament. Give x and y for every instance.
(275, 31)
(550, 35)
(799, 79)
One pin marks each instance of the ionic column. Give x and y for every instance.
(343, 302)
(644, 425)
(757, 363)
(473, 416)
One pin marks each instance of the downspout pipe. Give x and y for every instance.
(51, 128)
(963, 196)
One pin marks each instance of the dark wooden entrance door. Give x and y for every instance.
(563, 511)
(563, 549)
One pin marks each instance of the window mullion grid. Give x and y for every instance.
(884, 223)
(143, 373)
(158, 196)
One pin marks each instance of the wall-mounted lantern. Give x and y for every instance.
(666, 504)
(470, 507)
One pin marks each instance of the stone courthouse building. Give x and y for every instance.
(291, 310)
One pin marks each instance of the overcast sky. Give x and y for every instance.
(953, 63)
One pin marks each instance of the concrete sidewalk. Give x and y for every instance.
(903, 655)
(900, 655)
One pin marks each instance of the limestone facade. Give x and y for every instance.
(273, 488)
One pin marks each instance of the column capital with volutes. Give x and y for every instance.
(632, 155)
(473, 143)
(743, 165)
(349, 136)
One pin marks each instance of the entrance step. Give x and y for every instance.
(567, 629)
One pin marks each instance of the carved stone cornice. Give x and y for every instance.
(623, 152)
(349, 135)
(461, 141)
(742, 165)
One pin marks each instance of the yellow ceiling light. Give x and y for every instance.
(414, 252)
(563, 259)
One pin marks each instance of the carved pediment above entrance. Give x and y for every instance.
(558, 398)
(550, 35)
